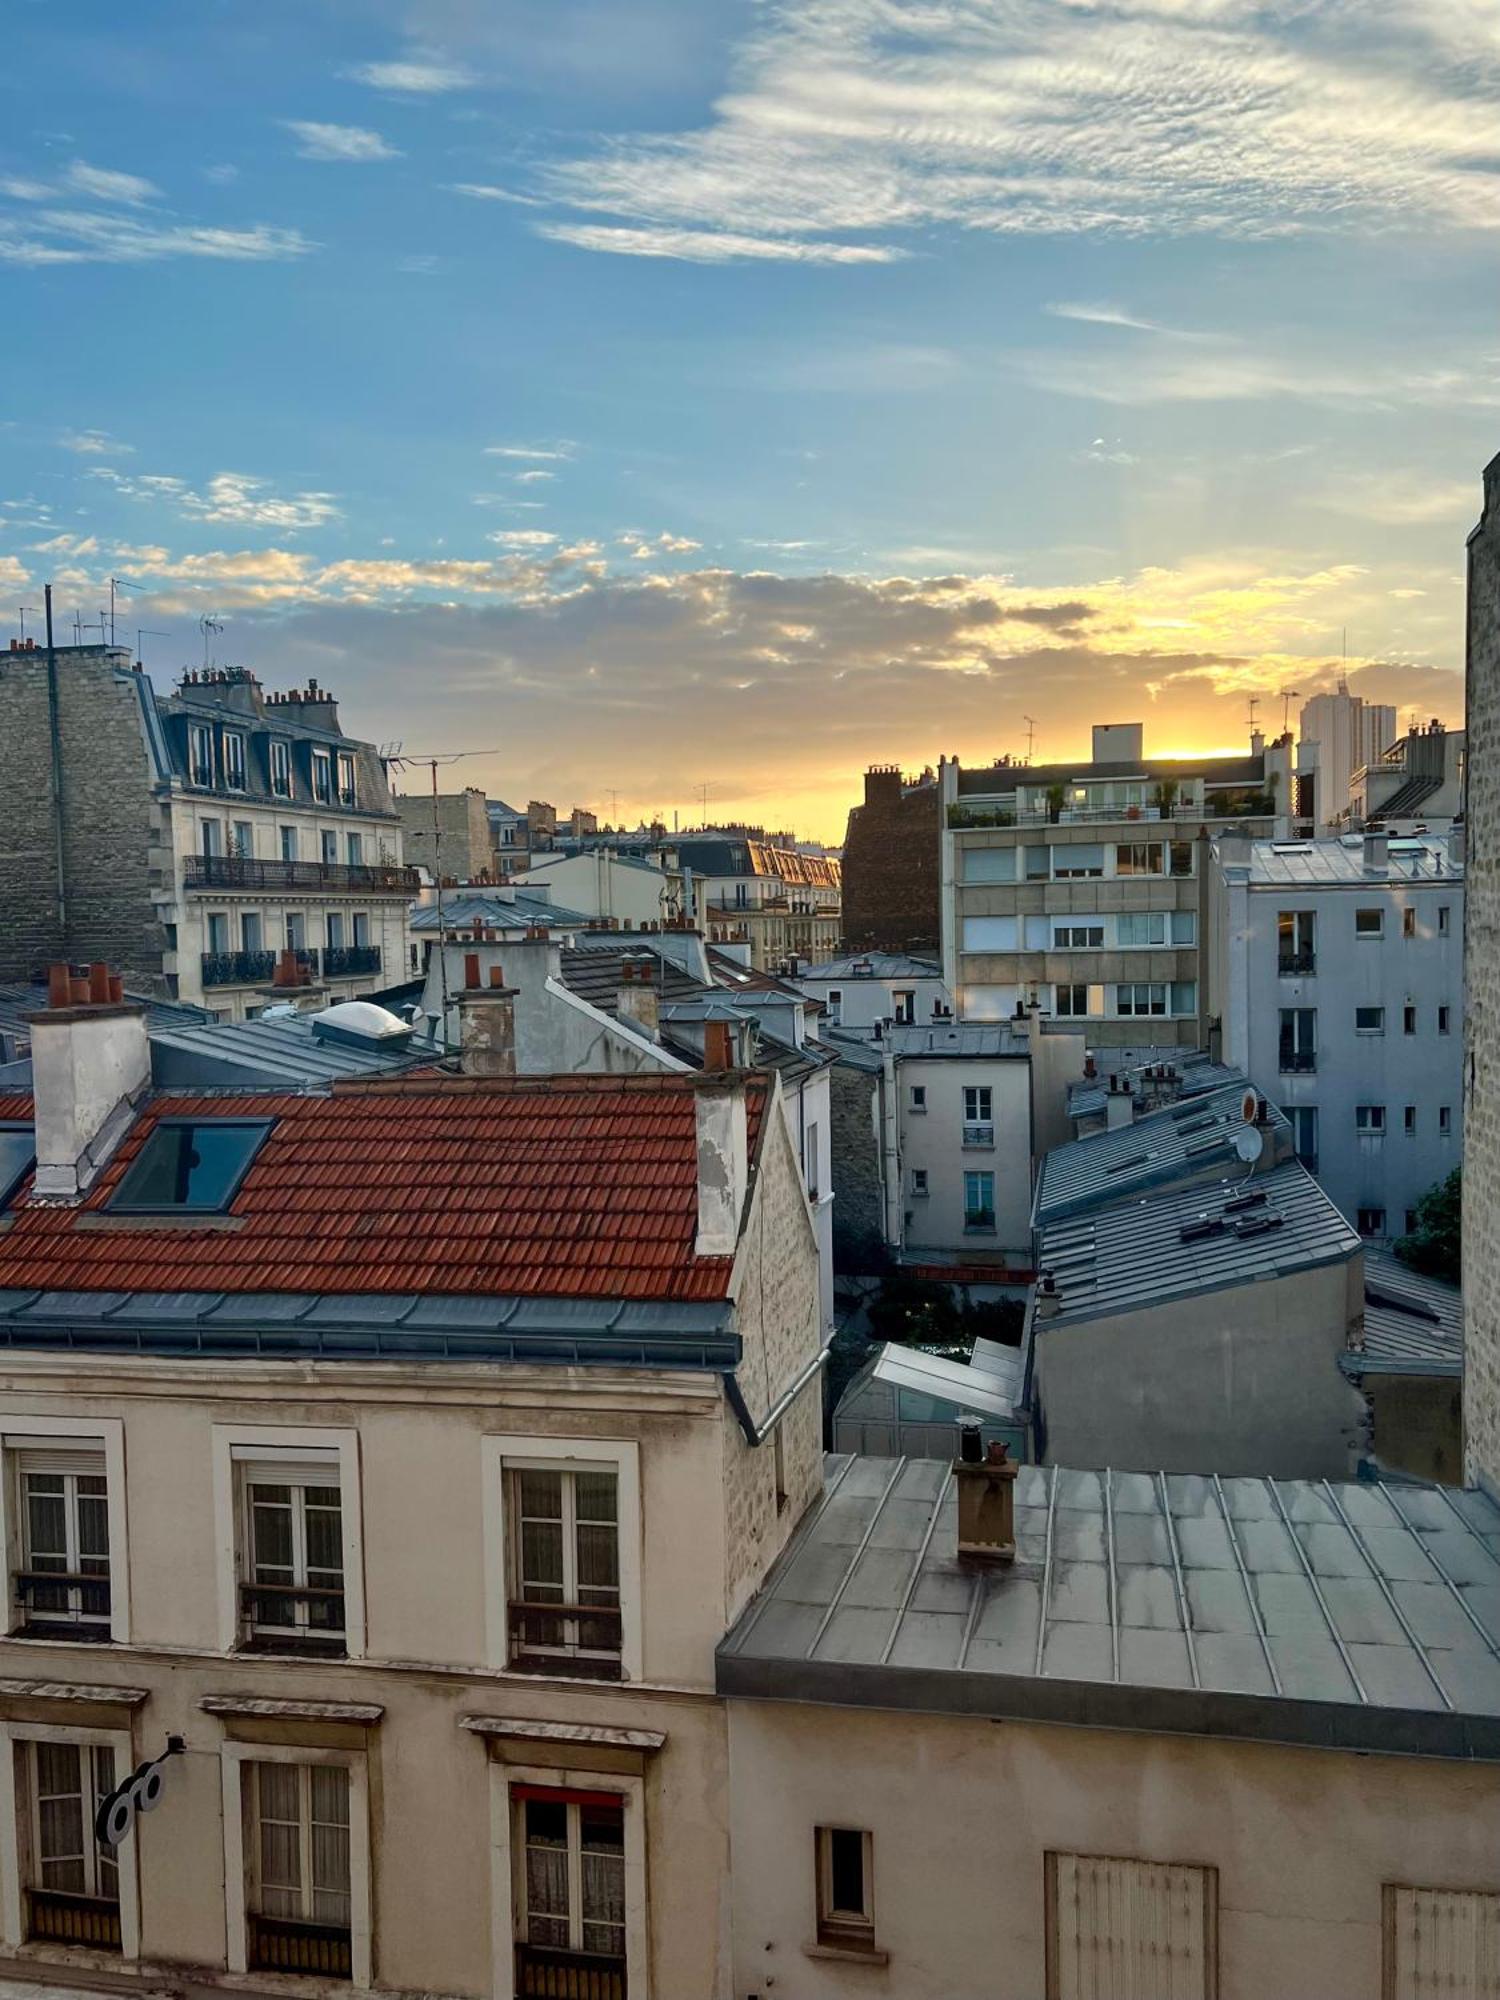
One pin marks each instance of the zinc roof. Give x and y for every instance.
(1414, 1323)
(1290, 864)
(985, 1389)
(270, 1055)
(1354, 1616)
(497, 913)
(873, 965)
(1197, 1072)
(956, 1038)
(1177, 1143)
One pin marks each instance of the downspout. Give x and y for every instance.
(55, 729)
(756, 1434)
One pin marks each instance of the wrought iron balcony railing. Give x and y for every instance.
(237, 871)
(576, 1639)
(285, 1944)
(544, 1973)
(343, 961)
(53, 1598)
(56, 1918)
(238, 968)
(292, 1618)
(1297, 964)
(1298, 1062)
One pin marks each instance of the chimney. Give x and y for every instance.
(986, 1482)
(723, 1157)
(90, 1065)
(717, 1050)
(486, 1023)
(1377, 853)
(639, 1003)
(1119, 1104)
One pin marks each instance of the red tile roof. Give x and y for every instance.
(571, 1186)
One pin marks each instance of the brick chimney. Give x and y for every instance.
(638, 1002)
(90, 1065)
(487, 1022)
(723, 1159)
(986, 1484)
(1119, 1104)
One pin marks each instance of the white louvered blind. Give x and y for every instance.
(1131, 1930)
(1441, 1942)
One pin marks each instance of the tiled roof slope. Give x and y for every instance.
(582, 1187)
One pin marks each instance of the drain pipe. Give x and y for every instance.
(757, 1433)
(55, 726)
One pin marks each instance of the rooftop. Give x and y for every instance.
(1290, 864)
(957, 1038)
(873, 965)
(462, 910)
(1196, 1072)
(1413, 1323)
(1188, 1241)
(1180, 1142)
(288, 1052)
(1000, 780)
(1359, 1617)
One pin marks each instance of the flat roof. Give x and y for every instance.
(1340, 862)
(1180, 1141)
(956, 1038)
(1350, 1616)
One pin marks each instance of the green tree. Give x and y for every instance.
(1435, 1245)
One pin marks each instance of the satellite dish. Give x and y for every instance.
(1249, 1144)
(1249, 1105)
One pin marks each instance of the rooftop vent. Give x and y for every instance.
(1258, 1225)
(1202, 1229)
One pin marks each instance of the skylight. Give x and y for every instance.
(190, 1165)
(17, 1151)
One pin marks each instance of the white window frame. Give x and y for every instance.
(327, 797)
(12, 1887)
(501, 1455)
(847, 1930)
(919, 1187)
(35, 1433)
(632, 1796)
(235, 1445)
(280, 767)
(1375, 1126)
(232, 783)
(200, 738)
(346, 762)
(233, 1757)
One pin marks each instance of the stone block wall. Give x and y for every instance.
(1481, 1261)
(891, 863)
(116, 837)
(854, 1164)
(467, 848)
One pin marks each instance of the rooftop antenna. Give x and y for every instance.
(117, 583)
(24, 609)
(1288, 696)
(145, 632)
(399, 761)
(1254, 705)
(210, 627)
(77, 628)
(1030, 721)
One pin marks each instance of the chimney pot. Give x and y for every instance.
(986, 1485)
(98, 984)
(59, 986)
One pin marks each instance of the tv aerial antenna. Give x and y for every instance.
(211, 628)
(117, 583)
(1288, 696)
(401, 760)
(1030, 721)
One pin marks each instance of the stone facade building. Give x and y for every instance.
(891, 864)
(1481, 1251)
(461, 840)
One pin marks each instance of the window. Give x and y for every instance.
(329, 842)
(979, 1202)
(1077, 864)
(1144, 997)
(281, 768)
(846, 1904)
(62, 1582)
(1408, 1020)
(1408, 922)
(360, 924)
(234, 760)
(1077, 937)
(1038, 863)
(1184, 927)
(244, 840)
(812, 1162)
(919, 1181)
(296, 931)
(250, 931)
(906, 1008)
(354, 849)
(570, 1891)
(835, 1004)
(1369, 1118)
(1436, 1940)
(211, 838)
(17, 1156)
(1127, 1927)
(979, 1115)
(1296, 943)
(1370, 1221)
(289, 843)
(1409, 1121)
(1141, 927)
(1181, 857)
(348, 793)
(292, 1528)
(216, 927)
(1369, 923)
(990, 934)
(322, 777)
(297, 1847)
(1445, 1120)
(1071, 1002)
(564, 1570)
(1369, 1020)
(71, 1882)
(919, 1097)
(200, 754)
(1444, 1020)
(989, 864)
(189, 1163)
(1442, 919)
(333, 927)
(1298, 1040)
(1304, 1119)
(1141, 857)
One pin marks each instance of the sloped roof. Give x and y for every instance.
(498, 913)
(276, 1054)
(579, 1187)
(1181, 1142)
(1340, 862)
(594, 975)
(1414, 1324)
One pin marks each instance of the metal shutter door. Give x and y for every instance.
(1441, 1942)
(1130, 1930)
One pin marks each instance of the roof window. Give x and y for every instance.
(190, 1164)
(17, 1156)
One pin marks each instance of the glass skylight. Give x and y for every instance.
(17, 1151)
(193, 1165)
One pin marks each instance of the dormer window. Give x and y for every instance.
(193, 1165)
(234, 760)
(281, 768)
(348, 791)
(322, 777)
(17, 1153)
(200, 754)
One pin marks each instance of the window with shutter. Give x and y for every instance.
(1136, 1930)
(1441, 1942)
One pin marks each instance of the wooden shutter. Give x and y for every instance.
(1130, 1930)
(1440, 1943)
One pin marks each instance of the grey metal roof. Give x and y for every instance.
(500, 914)
(956, 1038)
(997, 780)
(395, 1327)
(594, 974)
(855, 1051)
(1196, 1070)
(1131, 1257)
(1360, 1617)
(856, 965)
(1414, 1324)
(20, 998)
(274, 1054)
(1178, 1143)
(1340, 862)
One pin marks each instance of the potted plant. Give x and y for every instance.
(1055, 797)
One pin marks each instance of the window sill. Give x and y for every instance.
(848, 1954)
(84, 1957)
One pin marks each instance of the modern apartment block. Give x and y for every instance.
(192, 838)
(1416, 784)
(1080, 888)
(1338, 969)
(1339, 734)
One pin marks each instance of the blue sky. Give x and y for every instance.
(672, 393)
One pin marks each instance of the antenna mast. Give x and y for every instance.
(400, 762)
(1030, 721)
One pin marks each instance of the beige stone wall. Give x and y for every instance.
(962, 1812)
(1482, 1002)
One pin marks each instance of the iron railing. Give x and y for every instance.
(270, 1614)
(52, 1598)
(342, 960)
(980, 1220)
(982, 1134)
(544, 1973)
(286, 1944)
(238, 968)
(576, 1639)
(236, 871)
(1298, 1062)
(1296, 964)
(56, 1918)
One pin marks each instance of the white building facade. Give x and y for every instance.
(864, 989)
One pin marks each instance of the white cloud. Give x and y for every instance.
(349, 143)
(221, 175)
(93, 444)
(1394, 501)
(20, 190)
(521, 538)
(68, 236)
(103, 184)
(699, 246)
(414, 75)
(534, 477)
(487, 191)
(557, 451)
(228, 496)
(1103, 315)
(1219, 368)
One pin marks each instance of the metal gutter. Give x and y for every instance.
(757, 1433)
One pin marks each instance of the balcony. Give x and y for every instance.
(292, 1618)
(1297, 965)
(285, 1944)
(55, 1918)
(582, 1640)
(1298, 1062)
(237, 872)
(60, 1600)
(238, 968)
(348, 960)
(979, 1135)
(543, 1973)
(979, 1222)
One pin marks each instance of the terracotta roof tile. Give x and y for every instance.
(572, 1186)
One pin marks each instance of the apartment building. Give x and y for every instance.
(191, 838)
(781, 903)
(861, 991)
(1339, 734)
(890, 867)
(1416, 785)
(1338, 970)
(403, 1451)
(448, 834)
(1080, 888)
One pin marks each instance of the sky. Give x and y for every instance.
(684, 403)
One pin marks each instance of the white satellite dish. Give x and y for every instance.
(1249, 1144)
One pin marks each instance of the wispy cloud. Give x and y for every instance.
(1103, 315)
(1402, 501)
(414, 75)
(228, 496)
(534, 477)
(521, 538)
(545, 452)
(104, 184)
(487, 191)
(1211, 368)
(93, 444)
(347, 143)
(76, 236)
(701, 246)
